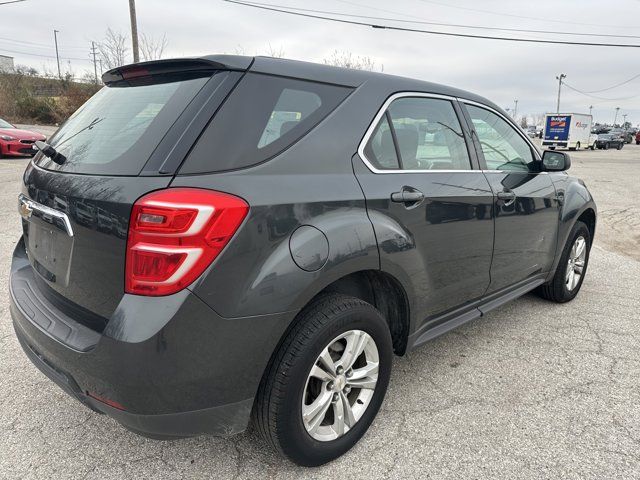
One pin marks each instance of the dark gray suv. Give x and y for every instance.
(212, 240)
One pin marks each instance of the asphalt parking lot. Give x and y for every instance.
(533, 390)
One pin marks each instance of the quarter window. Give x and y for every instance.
(263, 116)
(428, 136)
(502, 146)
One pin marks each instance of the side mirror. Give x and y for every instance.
(553, 161)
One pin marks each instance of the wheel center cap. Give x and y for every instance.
(340, 383)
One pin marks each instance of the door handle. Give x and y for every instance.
(508, 196)
(408, 195)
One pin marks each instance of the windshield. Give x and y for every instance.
(116, 131)
(4, 124)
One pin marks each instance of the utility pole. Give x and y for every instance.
(616, 117)
(625, 119)
(134, 31)
(515, 109)
(55, 39)
(590, 108)
(95, 62)
(562, 76)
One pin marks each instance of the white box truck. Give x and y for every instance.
(568, 130)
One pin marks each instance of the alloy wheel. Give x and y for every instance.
(576, 263)
(340, 385)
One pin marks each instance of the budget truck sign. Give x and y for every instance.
(568, 130)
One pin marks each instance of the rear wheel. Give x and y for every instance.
(572, 267)
(620, 145)
(606, 146)
(325, 384)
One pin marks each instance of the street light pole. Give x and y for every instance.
(55, 39)
(562, 76)
(590, 108)
(616, 117)
(515, 109)
(134, 31)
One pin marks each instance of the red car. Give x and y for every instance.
(638, 137)
(15, 142)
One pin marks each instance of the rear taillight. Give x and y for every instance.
(175, 234)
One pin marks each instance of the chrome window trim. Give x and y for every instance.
(377, 118)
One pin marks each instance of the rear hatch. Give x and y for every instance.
(127, 140)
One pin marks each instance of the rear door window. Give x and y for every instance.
(427, 135)
(262, 117)
(116, 131)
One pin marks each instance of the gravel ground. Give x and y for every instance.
(533, 390)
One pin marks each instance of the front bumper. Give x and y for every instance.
(15, 148)
(164, 367)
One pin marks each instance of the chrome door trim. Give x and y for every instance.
(27, 208)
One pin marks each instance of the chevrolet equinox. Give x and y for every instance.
(218, 240)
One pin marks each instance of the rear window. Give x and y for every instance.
(263, 116)
(116, 131)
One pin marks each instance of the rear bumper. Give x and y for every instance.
(553, 143)
(164, 367)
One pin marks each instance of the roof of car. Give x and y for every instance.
(338, 75)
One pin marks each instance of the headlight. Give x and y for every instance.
(7, 138)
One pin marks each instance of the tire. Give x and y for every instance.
(620, 145)
(606, 146)
(593, 146)
(557, 290)
(637, 142)
(288, 384)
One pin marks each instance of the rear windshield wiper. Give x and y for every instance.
(50, 152)
(92, 124)
(53, 154)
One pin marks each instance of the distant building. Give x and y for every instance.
(6, 64)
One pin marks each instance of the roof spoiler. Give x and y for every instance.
(160, 67)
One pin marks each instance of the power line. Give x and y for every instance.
(595, 96)
(524, 16)
(35, 44)
(616, 85)
(432, 32)
(44, 56)
(12, 1)
(424, 22)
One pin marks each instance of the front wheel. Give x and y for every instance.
(620, 145)
(572, 267)
(325, 384)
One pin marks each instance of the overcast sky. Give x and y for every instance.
(501, 71)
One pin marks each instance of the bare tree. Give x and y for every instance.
(275, 52)
(152, 48)
(348, 60)
(113, 49)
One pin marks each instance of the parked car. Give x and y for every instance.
(638, 137)
(534, 131)
(15, 142)
(625, 135)
(609, 140)
(291, 227)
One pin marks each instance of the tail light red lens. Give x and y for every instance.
(175, 234)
